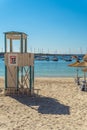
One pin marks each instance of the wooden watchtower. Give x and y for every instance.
(19, 66)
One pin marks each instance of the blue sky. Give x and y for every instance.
(52, 25)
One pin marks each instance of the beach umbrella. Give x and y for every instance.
(85, 58)
(75, 64)
(75, 57)
(82, 64)
(84, 69)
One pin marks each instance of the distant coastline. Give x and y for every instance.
(50, 54)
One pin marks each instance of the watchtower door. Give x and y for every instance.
(11, 61)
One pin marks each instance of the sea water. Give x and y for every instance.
(56, 69)
(50, 68)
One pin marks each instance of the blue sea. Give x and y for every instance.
(50, 68)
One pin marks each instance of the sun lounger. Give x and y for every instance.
(83, 86)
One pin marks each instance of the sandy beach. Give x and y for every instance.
(59, 106)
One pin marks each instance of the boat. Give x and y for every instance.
(55, 58)
(42, 58)
(67, 58)
(47, 58)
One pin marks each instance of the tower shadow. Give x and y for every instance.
(45, 105)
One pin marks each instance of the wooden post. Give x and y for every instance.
(5, 77)
(26, 45)
(11, 45)
(30, 80)
(5, 65)
(22, 52)
(33, 75)
(17, 78)
(21, 44)
(5, 44)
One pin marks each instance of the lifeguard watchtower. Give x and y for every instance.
(19, 66)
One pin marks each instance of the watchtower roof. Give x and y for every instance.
(15, 35)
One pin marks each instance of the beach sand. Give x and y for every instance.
(59, 106)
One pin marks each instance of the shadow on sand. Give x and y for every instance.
(44, 105)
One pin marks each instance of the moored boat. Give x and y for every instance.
(55, 58)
